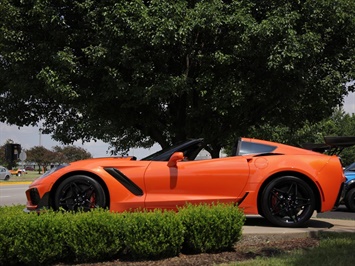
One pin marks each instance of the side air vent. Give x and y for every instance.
(125, 181)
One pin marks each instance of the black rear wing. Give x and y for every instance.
(332, 145)
(318, 147)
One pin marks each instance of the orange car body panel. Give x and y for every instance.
(195, 182)
(237, 179)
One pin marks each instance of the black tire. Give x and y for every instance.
(287, 201)
(7, 177)
(350, 199)
(79, 192)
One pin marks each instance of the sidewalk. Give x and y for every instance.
(258, 226)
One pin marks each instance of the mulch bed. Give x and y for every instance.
(247, 248)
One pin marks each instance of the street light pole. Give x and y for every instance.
(40, 137)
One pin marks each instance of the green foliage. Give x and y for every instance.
(153, 234)
(211, 229)
(41, 156)
(30, 239)
(339, 124)
(69, 154)
(54, 237)
(133, 73)
(3, 161)
(92, 236)
(44, 157)
(334, 249)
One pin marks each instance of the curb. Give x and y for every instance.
(259, 228)
(15, 183)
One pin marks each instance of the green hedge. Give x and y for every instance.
(93, 236)
(211, 228)
(30, 239)
(99, 235)
(153, 234)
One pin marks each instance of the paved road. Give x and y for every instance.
(12, 194)
(340, 213)
(15, 194)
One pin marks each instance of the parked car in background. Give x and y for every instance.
(18, 172)
(4, 173)
(284, 184)
(29, 168)
(349, 198)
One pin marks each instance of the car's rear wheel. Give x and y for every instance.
(7, 178)
(287, 201)
(79, 192)
(350, 200)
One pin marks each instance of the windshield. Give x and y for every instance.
(156, 154)
(351, 167)
(189, 148)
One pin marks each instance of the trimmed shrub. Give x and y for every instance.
(93, 236)
(153, 235)
(211, 228)
(99, 235)
(8, 234)
(31, 239)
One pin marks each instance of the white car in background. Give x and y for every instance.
(4, 173)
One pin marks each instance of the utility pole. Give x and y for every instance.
(40, 137)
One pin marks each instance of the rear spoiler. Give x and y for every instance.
(332, 145)
(318, 147)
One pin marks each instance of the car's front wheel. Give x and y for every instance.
(287, 201)
(79, 192)
(350, 200)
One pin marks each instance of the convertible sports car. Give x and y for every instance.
(284, 184)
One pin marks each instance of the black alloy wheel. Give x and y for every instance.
(287, 201)
(79, 192)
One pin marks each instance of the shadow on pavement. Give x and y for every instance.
(260, 221)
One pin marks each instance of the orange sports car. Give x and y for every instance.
(284, 184)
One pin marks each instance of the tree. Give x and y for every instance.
(5, 161)
(58, 155)
(41, 156)
(338, 124)
(69, 154)
(341, 124)
(132, 73)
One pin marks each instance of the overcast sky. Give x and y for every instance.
(29, 137)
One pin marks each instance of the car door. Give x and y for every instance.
(212, 180)
(2, 173)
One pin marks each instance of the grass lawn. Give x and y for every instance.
(29, 177)
(333, 249)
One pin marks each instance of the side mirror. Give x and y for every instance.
(177, 156)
